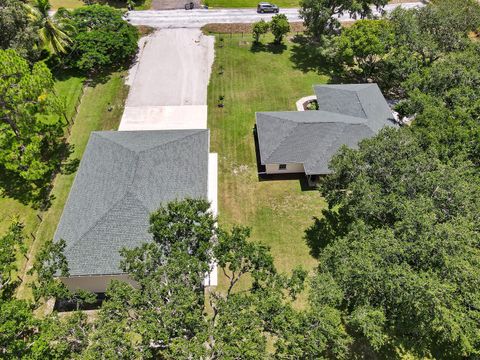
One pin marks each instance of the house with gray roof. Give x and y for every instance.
(122, 178)
(305, 141)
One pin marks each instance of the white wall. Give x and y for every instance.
(97, 283)
(291, 168)
(212, 278)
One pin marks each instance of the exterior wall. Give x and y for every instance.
(291, 169)
(96, 283)
(212, 278)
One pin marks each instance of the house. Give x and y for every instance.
(305, 141)
(122, 178)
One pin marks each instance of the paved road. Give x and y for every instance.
(201, 17)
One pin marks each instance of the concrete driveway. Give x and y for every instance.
(168, 83)
(200, 17)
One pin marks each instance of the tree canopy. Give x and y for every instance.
(52, 30)
(398, 244)
(319, 15)
(31, 123)
(102, 39)
(17, 30)
(361, 46)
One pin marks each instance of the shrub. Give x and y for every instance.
(259, 28)
(279, 27)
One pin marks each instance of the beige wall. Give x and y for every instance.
(97, 283)
(291, 168)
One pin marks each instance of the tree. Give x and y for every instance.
(102, 39)
(445, 100)
(279, 27)
(363, 45)
(17, 31)
(412, 35)
(450, 21)
(31, 123)
(319, 15)
(10, 243)
(18, 327)
(405, 261)
(50, 262)
(259, 28)
(53, 32)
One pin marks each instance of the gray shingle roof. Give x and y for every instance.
(122, 178)
(348, 114)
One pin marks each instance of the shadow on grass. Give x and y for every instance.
(302, 178)
(306, 56)
(36, 194)
(324, 230)
(270, 47)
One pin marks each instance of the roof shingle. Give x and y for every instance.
(346, 115)
(122, 178)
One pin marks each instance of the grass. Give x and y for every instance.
(68, 4)
(69, 87)
(101, 109)
(249, 3)
(277, 211)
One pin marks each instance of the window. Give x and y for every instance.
(282, 167)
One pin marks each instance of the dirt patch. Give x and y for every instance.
(144, 30)
(243, 28)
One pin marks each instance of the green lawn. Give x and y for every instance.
(93, 114)
(248, 3)
(68, 4)
(277, 211)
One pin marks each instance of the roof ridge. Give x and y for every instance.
(196, 131)
(361, 105)
(98, 133)
(103, 216)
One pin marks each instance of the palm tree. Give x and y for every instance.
(51, 30)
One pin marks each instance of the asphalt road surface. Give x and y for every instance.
(200, 17)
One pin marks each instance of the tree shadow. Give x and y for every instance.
(324, 230)
(37, 193)
(70, 166)
(270, 47)
(306, 55)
